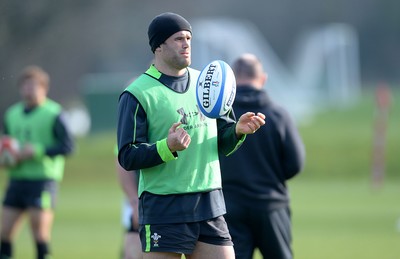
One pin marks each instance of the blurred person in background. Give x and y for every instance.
(38, 125)
(162, 133)
(129, 183)
(254, 177)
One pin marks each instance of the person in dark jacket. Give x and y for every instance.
(254, 178)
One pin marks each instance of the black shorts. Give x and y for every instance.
(23, 194)
(182, 238)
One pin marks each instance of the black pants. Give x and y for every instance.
(269, 231)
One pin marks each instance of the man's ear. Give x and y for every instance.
(264, 79)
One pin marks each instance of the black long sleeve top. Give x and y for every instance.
(135, 151)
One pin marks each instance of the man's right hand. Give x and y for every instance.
(178, 139)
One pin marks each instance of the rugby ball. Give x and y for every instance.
(9, 148)
(216, 89)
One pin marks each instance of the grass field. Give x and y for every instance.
(336, 212)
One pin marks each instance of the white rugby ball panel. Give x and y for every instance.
(216, 89)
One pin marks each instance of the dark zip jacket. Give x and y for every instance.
(256, 173)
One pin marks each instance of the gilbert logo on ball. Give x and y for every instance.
(9, 149)
(216, 89)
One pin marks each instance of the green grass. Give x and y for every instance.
(339, 142)
(345, 219)
(336, 212)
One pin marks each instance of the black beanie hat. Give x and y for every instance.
(163, 26)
